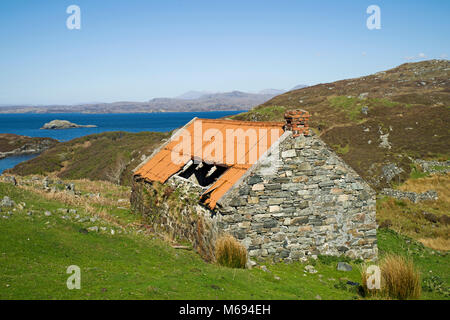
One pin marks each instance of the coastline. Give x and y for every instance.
(28, 127)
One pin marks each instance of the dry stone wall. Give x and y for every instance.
(411, 196)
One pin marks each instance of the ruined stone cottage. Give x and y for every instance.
(275, 186)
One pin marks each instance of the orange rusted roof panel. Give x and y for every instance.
(235, 144)
(223, 184)
(160, 167)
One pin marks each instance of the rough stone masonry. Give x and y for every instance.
(305, 202)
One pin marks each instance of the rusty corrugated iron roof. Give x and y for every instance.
(206, 141)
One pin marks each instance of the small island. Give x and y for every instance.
(64, 124)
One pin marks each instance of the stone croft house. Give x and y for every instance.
(275, 186)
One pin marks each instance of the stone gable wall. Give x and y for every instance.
(305, 202)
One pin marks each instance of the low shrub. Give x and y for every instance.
(230, 253)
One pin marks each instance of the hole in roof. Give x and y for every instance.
(202, 173)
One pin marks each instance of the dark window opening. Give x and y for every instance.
(202, 173)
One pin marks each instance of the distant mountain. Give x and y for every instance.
(190, 101)
(190, 95)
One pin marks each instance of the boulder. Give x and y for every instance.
(7, 202)
(310, 269)
(93, 229)
(365, 110)
(343, 266)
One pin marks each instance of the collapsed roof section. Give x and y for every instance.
(215, 153)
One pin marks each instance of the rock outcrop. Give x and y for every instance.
(15, 145)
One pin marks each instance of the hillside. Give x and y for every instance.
(15, 145)
(120, 257)
(109, 156)
(377, 123)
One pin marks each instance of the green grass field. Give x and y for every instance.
(36, 250)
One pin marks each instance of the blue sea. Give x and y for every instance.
(28, 124)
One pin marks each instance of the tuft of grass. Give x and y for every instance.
(230, 253)
(400, 279)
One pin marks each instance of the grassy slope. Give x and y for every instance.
(36, 250)
(411, 103)
(107, 156)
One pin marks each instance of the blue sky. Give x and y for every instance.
(140, 49)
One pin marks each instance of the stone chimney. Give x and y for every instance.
(297, 121)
